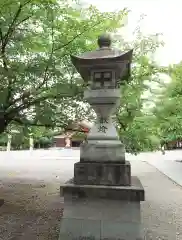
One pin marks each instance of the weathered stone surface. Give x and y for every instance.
(113, 174)
(100, 151)
(103, 96)
(86, 229)
(135, 192)
(104, 132)
(78, 229)
(100, 219)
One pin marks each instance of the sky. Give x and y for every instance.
(162, 16)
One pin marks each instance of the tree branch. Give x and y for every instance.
(9, 79)
(29, 123)
(4, 42)
(50, 57)
(29, 101)
(12, 26)
(121, 123)
(26, 97)
(5, 65)
(86, 29)
(1, 36)
(36, 124)
(15, 110)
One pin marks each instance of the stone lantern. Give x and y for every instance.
(102, 199)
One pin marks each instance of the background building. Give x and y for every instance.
(74, 135)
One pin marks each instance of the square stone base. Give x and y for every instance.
(100, 219)
(113, 174)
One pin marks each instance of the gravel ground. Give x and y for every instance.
(33, 209)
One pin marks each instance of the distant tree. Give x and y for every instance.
(168, 110)
(135, 122)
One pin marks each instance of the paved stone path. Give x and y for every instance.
(162, 210)
(172, 169)
(33, 208)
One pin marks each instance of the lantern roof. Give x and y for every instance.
(104, 58)
(104, 52)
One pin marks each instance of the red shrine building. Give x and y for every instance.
(172, 145)
(74, 135)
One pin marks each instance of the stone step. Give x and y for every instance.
(99, 173)
(133, 193)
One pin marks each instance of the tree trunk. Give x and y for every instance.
(1, 202)
(3, 124)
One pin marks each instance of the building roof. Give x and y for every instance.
(83, 126)
(65, 135)
(86, 124)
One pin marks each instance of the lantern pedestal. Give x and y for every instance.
(97, 212)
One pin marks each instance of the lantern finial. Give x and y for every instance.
(104, 41)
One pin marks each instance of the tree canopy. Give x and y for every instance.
(168, 111)
(138, 96)
(39, 85)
